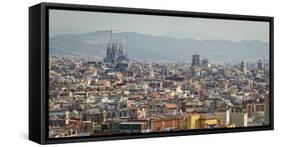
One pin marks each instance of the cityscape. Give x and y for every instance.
(122, 95)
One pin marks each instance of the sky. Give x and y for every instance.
(77, 22)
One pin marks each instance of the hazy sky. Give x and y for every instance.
(69, 22)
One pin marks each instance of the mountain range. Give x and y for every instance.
(158, 48)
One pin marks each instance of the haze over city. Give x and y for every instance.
(78, 22)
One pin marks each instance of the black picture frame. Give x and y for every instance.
(38, 71)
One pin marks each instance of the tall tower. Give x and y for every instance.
(260, 65)
(110, 52)
(242, 66)
(114, 49)
(205, 62)
(195, 60)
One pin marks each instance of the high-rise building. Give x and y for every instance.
(242, 66)
(205, 62)
(260, 65)
(195, 60)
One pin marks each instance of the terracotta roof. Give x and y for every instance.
(171, 106)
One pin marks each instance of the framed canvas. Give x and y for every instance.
(106, 73)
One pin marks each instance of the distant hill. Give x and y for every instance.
(189, 35)
(159, 48)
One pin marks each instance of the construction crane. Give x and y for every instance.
(116, 30)
(111, 30)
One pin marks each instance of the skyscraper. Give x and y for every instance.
(260, 65)
(205, 62)
(242, 66)
(195, 60)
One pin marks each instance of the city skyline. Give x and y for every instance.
(140, 47)
(97, 87)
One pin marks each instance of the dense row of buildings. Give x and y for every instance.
(116, 96)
